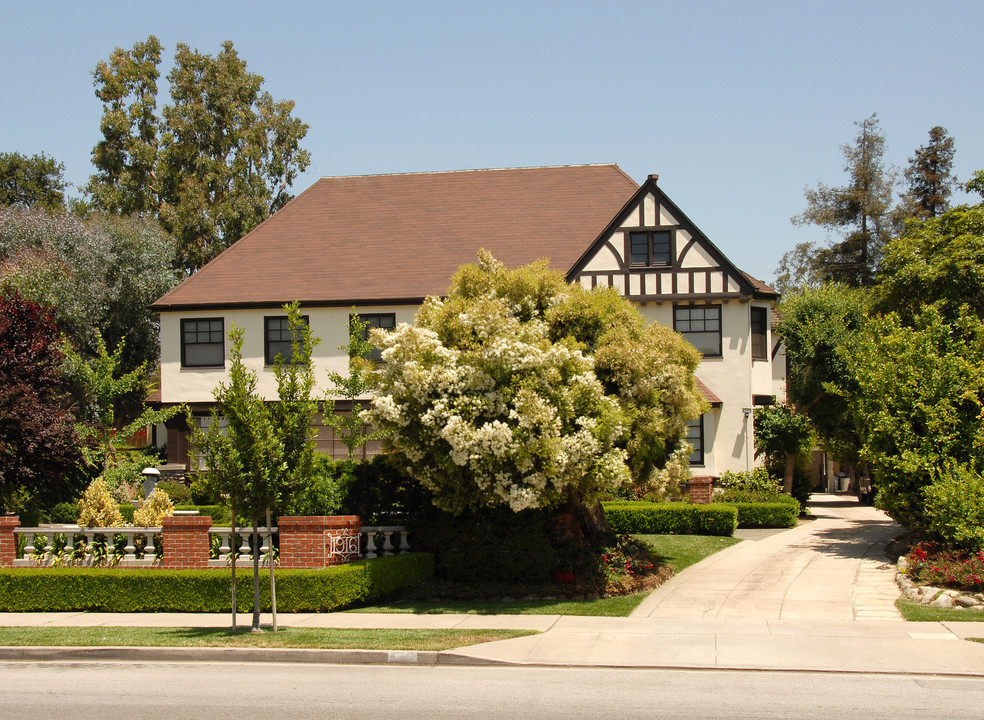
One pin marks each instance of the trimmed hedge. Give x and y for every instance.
(221, 514)
(158, 590)
(672, 518)
(766, 514)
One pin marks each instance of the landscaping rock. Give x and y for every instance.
(943, 601)
(967, 601)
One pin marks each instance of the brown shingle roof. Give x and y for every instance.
(387, 238)
(708, 394)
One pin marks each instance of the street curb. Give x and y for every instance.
(427, 658)
(104, 653)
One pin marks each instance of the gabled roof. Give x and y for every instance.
(388, 239)
(749, 286)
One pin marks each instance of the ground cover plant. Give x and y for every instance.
(937, 565)
(312, 638)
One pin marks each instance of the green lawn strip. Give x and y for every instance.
(317, 638)
(679, 551)
(917, 612)
(682, 551)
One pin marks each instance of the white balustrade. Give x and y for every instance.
(74, 545)
(240, 538)
(389, 533)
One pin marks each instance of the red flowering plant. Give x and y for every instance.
(929, 564)
(624, 567)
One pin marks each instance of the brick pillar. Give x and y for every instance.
(186, 543)
(316, 541)
(8, 540)
(700, 490)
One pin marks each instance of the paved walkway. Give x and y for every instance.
(832, 568)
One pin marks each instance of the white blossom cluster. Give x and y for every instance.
(498, 414)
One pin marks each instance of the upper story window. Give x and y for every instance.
(203, 342)
(386, 321)
(695, 436)
(649, 247)
(701, 326)
(760, 333)
(277, 340)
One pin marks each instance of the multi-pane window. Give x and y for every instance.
(649, 247)
(386, 321)
(760, 333)
(695, 436)
(701, 326)
(276, 338)
(203, 342)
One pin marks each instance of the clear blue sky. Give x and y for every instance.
(737, 106)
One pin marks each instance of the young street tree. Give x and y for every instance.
(259, 452)
(522, 391)
(34, 181)
(213, 164)
(860, 210)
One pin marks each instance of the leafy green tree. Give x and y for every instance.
(36, 181)
(213, 164)
(513, 393)
(39, 457)
(937, 261)
(819, 327)
(860, 210)
(929, 178)
(918, 403)
(783, 437)
(257, 452)
(99, 276)
(104, 386)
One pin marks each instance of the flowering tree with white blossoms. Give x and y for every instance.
(493, 398)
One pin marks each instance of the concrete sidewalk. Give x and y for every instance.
(805, 645)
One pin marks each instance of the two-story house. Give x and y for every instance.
(382, 243)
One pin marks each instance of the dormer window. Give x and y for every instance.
(649, 247)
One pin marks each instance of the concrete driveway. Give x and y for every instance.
(830, 568)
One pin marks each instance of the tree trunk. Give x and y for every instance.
(592, 517)
(256, 575)
(787, 477)
(233, 551)
(273, 582)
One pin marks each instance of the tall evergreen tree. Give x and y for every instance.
(860, 210)
(929, 178)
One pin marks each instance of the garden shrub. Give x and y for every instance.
(65, 513)
(954, 507)
(97, 508)
(158, 590)
(126, 512)
(125, 477)
(929, 564)
(221, 514)
(179, 493)
(493, 546)
(325, 492)
(155, 508)
(783, 514)
(673, 518)
(758, 480)
(204, 492)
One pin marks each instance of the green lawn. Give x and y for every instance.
(678, 551)
(917, 612)
(320, 638)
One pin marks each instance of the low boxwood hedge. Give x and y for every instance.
(766, 514)
(158, 590)
(672, 518)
